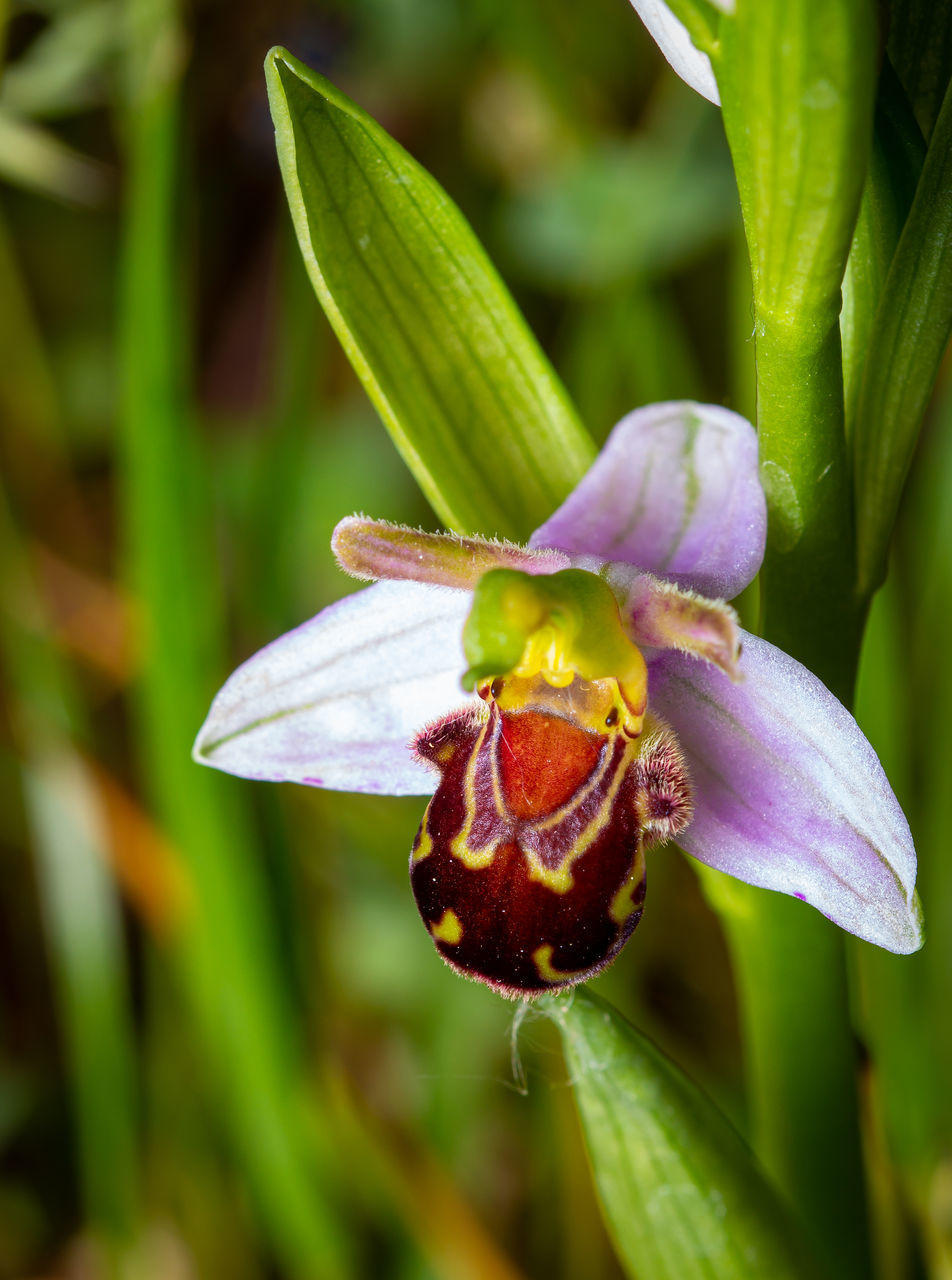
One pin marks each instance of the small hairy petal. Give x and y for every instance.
(336, 702)
(664, 786)
(789, 794)
(663, 616)
(374, 549)
(671, 37)
(675, 491)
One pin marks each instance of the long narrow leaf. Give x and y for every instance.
(894, 168)
(920, 45)
(226, 952)
(906, 345)
(460, 382)
(680, 1191)
(84, 936)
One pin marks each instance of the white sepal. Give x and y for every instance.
(337, 702)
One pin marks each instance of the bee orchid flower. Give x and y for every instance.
(574, 703)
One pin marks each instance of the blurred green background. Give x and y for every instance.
(227, 1046)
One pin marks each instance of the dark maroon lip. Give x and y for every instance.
(529, 866)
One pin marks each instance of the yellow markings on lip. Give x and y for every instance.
(423, 846)
(448, 929)
(542, 959)
(623, 905)
(444, 754)
(459, 846)
(559, 880)
(473, 859)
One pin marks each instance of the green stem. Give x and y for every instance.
(895, 164)
(797, 83)
(809, 605)
(788, 961)
(792, 989)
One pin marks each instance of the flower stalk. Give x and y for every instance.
(809, 602)
(799, 126)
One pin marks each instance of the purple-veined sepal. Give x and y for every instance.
(338, 701)
(675, 491)
(789, 794)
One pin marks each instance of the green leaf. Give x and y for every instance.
(894, 168)
(84, 937)
(796, 85)
(929, 709)
(461, 384)
(681, 1193)
(906, 345)
(794, 1004)
(920, 45)
(896, 1021)
(225, 954)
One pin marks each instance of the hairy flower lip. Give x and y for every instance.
(789, 794)
(529, 866)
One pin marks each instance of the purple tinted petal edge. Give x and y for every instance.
(676, 491)
(789, 794)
